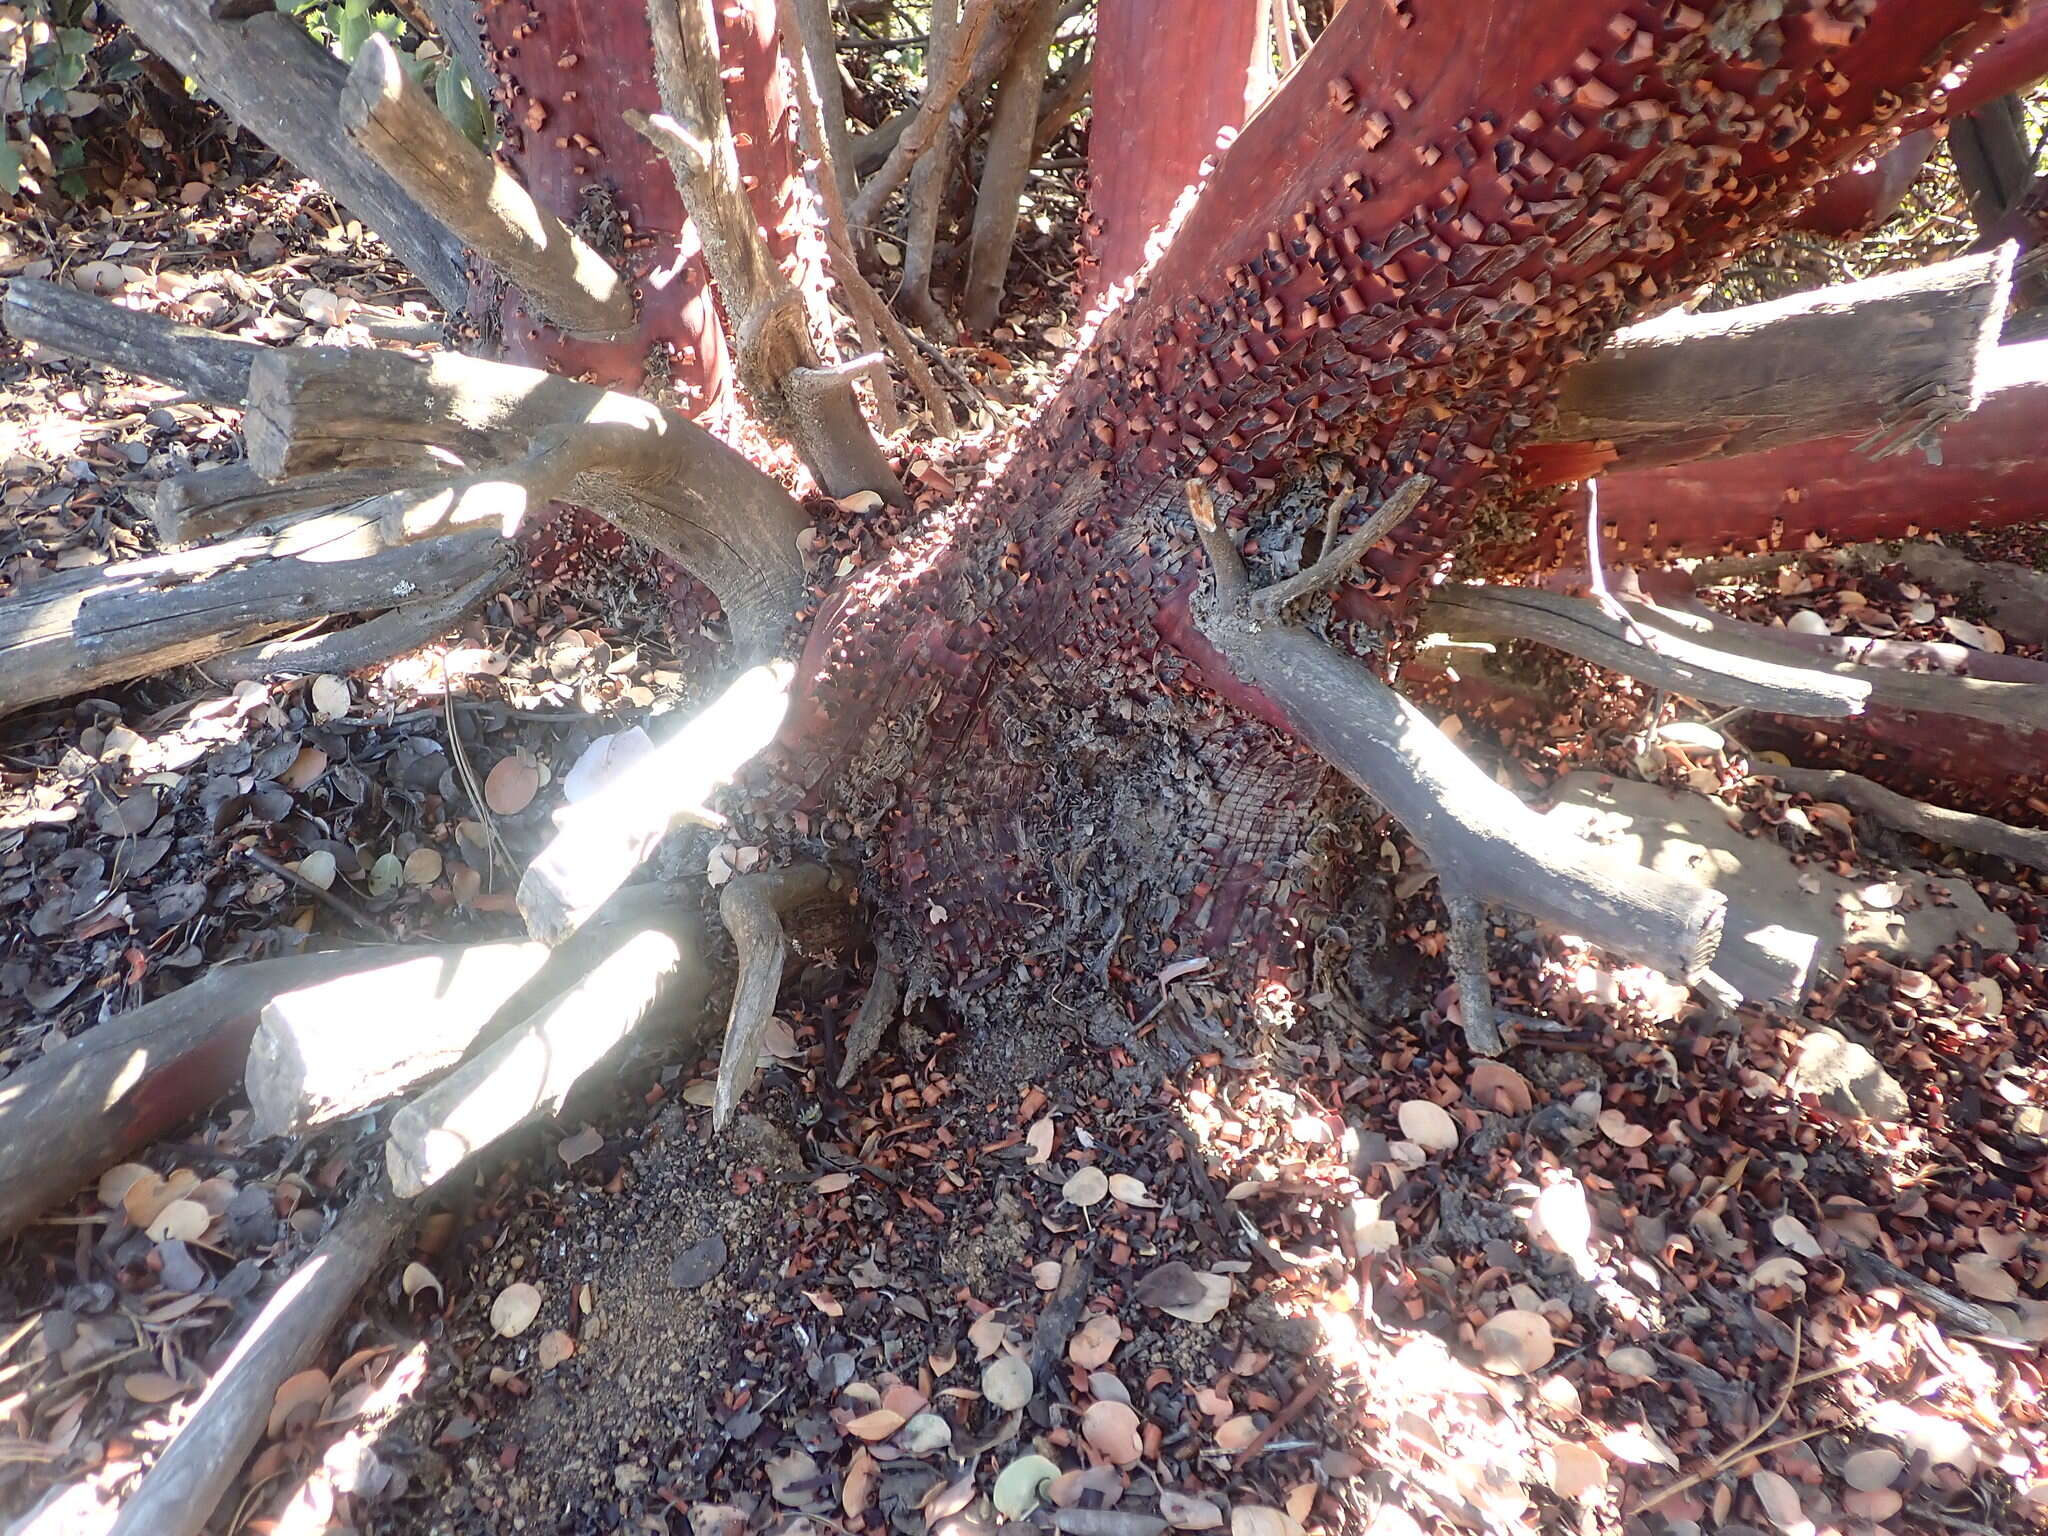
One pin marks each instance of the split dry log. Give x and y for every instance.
(83, 629)
(337, 1046)
(1895, 357)
(1012, 135)
(808, 404)
(1954, 829)
(1483, 842)
(1637, 648)
(205, 366)
(90, 1101)
(269, 75)
(391, 120)
(177, 1496)
(222, 499)
(1986, 471)
(531, 1068)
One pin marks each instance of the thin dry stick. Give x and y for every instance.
(494, 841)
(1336, 563)
(319, 893)
(1740, 1448)
(931, 116)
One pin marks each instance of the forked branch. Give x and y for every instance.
(942, 89)
(1484, 843)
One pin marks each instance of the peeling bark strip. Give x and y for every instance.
(269, 75)
(778, 365)
(1896, 358)
(393, 122)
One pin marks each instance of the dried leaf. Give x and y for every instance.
(515, 1309)
(297, 1399)
(386, 874)
(1638, 1445)
(825, 1302)
(1046, 1274)
(1186, 1513)
(416, 1278)
(1632, 1363)
(1234, 1434)
(512, 783)
(1087, 1187)
(182, 1221)
(1979, 636)
(305, 769)
(1131, 1191)
(119, 1179)
(1985, 1278)
(1019, 1485)
(573, 1149)
(1039, 1140)
(1192, 1295)
(1869, 1470)
(862, 1474)
(987, 1333)
(1114, 1430)
(1562, 1216)
(423, 866)
(1576, 1471)
(1516, 1342)
(1497, 1086)
(554, 1347)
(318, 868)
(1616, 1127)
(879, 1424)
(1262, 1520)
(1780, 1501)
(1791, 1232)
(1006, 1383)
(1095, 1341)
(329, 696)
(1428, 1125)
(152, 1386)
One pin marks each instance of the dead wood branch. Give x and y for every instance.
(664, 480)
(1895, 358)
(530, 1068)
(269, 75)
(1483, 842)
(602, 840)
(751, 907)
(1335, 563)
(88, 1102)
(1467, 949)
(205, 366)
(390, 118)
(80, 630)
(394, 632)
(771, 338)
(227, 498)
(1669, 661)
(813, 54)
(337, 1046)
(941, 91)
(930, 176)
(1954, 829)
(177, 1496)
(1065, 97)
(873, 320)
(1012, 139)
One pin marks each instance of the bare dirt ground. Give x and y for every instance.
(1284, 1274)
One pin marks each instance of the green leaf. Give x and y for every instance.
(352, 29)
(10, 167)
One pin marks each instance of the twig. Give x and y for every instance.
(494, 842)
(1334, 564)
(325, 897)
(1296, 1406)
(1740, 1448)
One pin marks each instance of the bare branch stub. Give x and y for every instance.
(771, 338)
(390, 117)
(751, 907)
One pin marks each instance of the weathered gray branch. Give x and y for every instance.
(1894, 356)
(89, 1101)
(771, 338)
(751, 907)
(394, 632)
(1938, 824)
(177, 1496)
(813, 54)
(1670, 661)
(269, 75)
(1012, 136)
(941, 91)
(204, 365)
(390, 118)
(930, 176)
(221, 499)
(1483, 842)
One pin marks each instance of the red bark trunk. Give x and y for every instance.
(568, 73)
(1829, 492)
(1386, 268)
(1171, 76)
